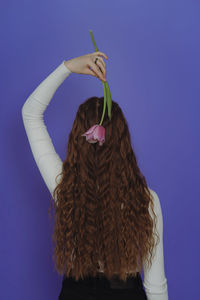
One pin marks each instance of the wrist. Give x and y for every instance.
(66, 63)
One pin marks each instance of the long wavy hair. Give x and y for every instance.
(102, 202)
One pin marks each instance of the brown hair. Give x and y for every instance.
(102, 201)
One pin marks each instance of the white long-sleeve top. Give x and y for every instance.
(50, 165)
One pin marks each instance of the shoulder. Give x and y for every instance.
(154, 195)
(156, 201)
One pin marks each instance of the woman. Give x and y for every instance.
(108, 222)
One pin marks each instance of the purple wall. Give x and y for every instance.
(153, 72)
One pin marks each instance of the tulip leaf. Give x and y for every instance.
(104, 104)
(109, 100)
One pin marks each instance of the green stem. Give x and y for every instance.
(95, 46)
(106, 89)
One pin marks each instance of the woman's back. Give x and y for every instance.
(50, 166)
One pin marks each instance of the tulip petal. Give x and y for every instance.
(95, 134)
(99, 132)
(91, 129)
(92, 141)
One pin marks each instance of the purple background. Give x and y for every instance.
(153, 72)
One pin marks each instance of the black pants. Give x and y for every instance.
(100, 288)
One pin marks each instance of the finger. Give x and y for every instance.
(101, 67)
(101, 59)
(90, 71)
(101, 53)
(101, 64)
(96, 70)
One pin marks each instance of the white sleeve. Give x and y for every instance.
(155, 281)
(46, 158)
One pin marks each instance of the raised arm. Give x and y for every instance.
(47, 159)
(155, 281)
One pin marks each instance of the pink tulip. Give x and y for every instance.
(94, 134)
